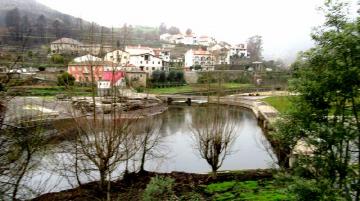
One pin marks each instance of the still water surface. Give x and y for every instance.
(250, 149)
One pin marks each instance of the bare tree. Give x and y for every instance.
(23, 139)
(213, 134)
(102, 143)
(150, 139)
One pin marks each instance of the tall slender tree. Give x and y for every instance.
(254, 46)
(13, 23)
(41, 25)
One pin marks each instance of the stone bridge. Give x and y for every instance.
(179, 98)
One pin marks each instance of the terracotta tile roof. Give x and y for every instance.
(95, 63)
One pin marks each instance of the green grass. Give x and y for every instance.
(247, 190)
(53, 91)
(195, 88)
(281, 103)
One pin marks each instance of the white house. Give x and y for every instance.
(206, 41)
(199, 57)
(177, 39)
(117, 56)
(111, 77)
(165, 36)
(87, 58)
(66, 45)
(239, 50)
(162, 54)
(147, 62)
(190, 40)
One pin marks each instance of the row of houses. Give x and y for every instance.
(134, 63)
(188, 39)
(216, 55)
(139, 62)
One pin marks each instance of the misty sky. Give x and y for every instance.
(284, 24)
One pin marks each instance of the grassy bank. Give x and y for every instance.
(281, 103)
(197, 88)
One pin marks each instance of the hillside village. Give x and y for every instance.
(144, 113)
(138, 63)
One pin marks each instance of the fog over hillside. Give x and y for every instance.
(285, 28)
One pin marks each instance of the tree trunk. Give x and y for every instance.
(22, 173)
(142, 162)
(102, 179)
(214, 172)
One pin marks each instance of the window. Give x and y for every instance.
(147, 62)
(140, 62)
(153, 68)
(146, 57)
(153, 62)
(147, 68)
(159, 62)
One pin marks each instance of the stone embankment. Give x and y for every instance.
(266, 114)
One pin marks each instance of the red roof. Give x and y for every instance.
(113, 77)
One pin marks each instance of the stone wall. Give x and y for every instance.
(191, 77)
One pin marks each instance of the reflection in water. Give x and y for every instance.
(248, 150)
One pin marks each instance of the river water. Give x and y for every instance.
(249, 151)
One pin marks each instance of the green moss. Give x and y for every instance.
(247, 190)
(220, 187)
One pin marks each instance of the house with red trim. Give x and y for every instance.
(110, 80)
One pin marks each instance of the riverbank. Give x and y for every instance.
(132, 186)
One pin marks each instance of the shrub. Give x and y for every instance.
(57, 59)
(172, 76)
(66, 80)
(140, 89)
(304, 190)
(162, 77)
(156, 76)
(197, 67)
(180, 76)
(159, 188)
